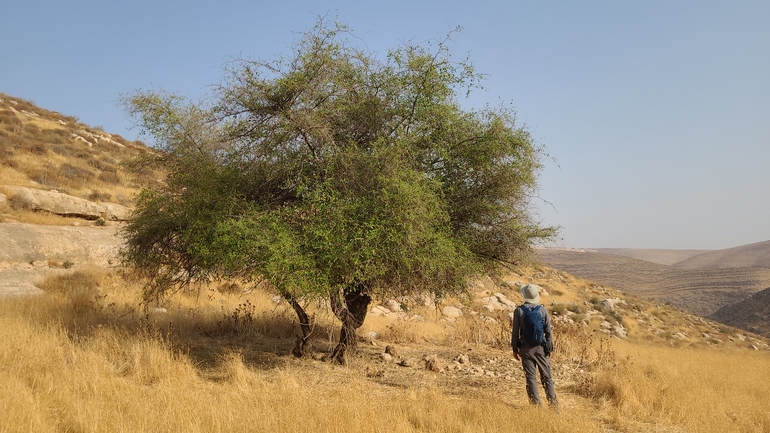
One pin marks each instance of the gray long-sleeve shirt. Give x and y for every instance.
(517, 336)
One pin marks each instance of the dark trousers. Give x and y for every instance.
(533, 359)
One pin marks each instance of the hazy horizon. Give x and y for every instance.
(656, 114)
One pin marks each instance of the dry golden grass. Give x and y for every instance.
(71, 369)
(86, 357)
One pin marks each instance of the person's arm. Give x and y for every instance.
(548, 330)
(515, 333)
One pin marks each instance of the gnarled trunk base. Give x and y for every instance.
(352, 314)
(302, 344)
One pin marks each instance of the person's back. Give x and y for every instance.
(532, 342)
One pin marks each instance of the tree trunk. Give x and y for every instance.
(352, 314)
(303, 341)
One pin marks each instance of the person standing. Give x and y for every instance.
(532, 343)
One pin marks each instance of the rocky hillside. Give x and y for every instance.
(46, 150)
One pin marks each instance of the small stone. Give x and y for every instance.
(432, 363)
(392, 351)
(463, 359)
(407, 363)
(386, 357)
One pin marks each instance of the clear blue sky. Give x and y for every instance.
(656, 112)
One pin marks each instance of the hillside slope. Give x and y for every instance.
(756, 255)
(751, 314)
(702, 291)
(47, 150)
(659, 256)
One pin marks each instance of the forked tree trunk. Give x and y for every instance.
(351, 313)
(302, 344)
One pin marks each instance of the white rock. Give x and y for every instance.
(502, 299)
(60, 204)
(451, 312)
(393, 306)
(379, 310)
(116, 212)
(620, 331)
(605, 325)
(425, 300)
(395, 315)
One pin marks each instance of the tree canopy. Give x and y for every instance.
(335, 174)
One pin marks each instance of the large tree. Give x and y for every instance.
(335, 174)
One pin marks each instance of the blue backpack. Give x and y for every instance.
(534, 334)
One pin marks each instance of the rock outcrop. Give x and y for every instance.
(67, 205)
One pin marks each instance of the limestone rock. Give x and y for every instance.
(620, 331)
(379, 310)
(394, 306)
(116, 212)
(451, 312)
(432, 363)
(55, 202)
(67, 205)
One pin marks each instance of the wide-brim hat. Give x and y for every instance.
(530, 293)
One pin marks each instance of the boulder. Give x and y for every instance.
(116, 212)
(394, 306)
(502, 299)
(620, 331)
(67, 205)
(55, 202)
(379, 310)
(451, 312)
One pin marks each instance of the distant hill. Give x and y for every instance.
(701, 291)
(747, 256)
(752, 314)
(660, 256)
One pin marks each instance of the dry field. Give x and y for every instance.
(85, 356)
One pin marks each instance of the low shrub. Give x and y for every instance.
(97, 195)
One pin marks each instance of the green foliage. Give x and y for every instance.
(335, 169)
